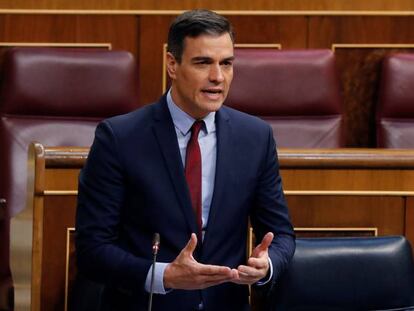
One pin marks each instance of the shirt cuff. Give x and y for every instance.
(266, 280)
(158, 278)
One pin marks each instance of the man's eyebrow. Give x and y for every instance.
(201, 58)
(206, 58)
(227, 59)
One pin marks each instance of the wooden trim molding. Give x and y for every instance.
(223, 12)
(68, 234)
(346, 158)
(60, 192)
(286, 192)
(373, 230)
(105, 45)
(349, 193)
(335, 46)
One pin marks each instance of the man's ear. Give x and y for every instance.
(171, 66)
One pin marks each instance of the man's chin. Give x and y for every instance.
(213, 107)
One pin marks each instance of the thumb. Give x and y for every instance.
(191, 244)
(264, 245)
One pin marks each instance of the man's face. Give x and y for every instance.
(201, 81)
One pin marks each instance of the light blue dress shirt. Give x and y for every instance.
(207, 140)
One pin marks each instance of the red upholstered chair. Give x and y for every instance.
(395, 112)
(297, 92)
(55, 97)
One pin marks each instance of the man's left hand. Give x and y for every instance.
(257, 265)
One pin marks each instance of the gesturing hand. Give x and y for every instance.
(186, 273)
(257, 265)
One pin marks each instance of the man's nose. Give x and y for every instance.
(216, 74)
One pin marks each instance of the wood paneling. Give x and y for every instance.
(290, 31)
(347, 169)
(153, 35)
(57, 179)
(385, 213)
(211, 4)
(53, 289)
(120, 31)
(326, 30)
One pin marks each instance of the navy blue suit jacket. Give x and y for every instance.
(133, 185)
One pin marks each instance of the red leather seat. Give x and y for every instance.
(297, 92)
(395, 111)
(55, 97)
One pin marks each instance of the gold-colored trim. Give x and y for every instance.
(289, 192)
(277, 46)
(60, 192)
(57, 44)
(349, 193)
(223, 12)
(369, 46)
(337, 229)
(68, 231)
(250, 242)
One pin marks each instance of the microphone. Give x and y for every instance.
(155, 248)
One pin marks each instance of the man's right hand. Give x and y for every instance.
(186, 273)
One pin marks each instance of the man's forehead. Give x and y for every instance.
(207, 45)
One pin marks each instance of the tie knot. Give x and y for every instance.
(196, 127)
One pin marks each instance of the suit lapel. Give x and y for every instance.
(223, 163)
(167, 140)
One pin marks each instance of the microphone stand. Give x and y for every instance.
(155, 248)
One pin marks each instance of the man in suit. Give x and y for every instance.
(193, 171)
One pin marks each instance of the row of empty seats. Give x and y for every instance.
(57, 96)
(298, 93)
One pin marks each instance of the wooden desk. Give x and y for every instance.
(350, 191)
(329, 192)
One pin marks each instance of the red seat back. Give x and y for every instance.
(395, 112)
(297, 92)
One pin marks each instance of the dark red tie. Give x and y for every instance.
(193, 172)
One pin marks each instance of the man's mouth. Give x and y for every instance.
(212, 91)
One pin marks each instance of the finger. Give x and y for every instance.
(213, 270)
(248, 275)
(258, 263)
(191, 244)
(241, 278)
(264, 244)
(250, 272)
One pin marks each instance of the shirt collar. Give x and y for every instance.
(183, 121)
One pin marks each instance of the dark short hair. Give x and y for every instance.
(193, 24)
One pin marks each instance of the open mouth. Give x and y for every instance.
(212, 91)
